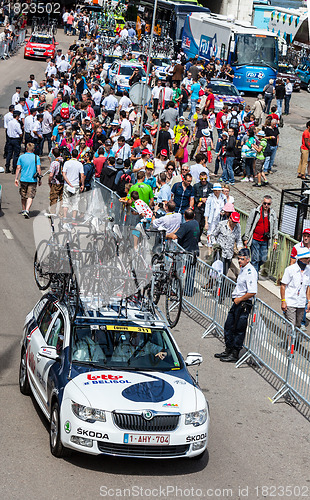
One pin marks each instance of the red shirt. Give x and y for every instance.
(218, 122)
(262, 227)
(211, 98)
(305, 135)
(98, 163)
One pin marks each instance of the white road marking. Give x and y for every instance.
(8, 234)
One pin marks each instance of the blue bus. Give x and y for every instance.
(252, 53)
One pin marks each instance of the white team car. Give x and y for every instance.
(112, 383)
(120, 72)
(161, 64)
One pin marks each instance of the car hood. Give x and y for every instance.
(126, 390)
(229, 98)
(282, 74)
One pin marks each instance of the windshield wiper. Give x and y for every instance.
(93, 364)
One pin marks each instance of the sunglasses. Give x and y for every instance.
(268, 204)
(172, 169)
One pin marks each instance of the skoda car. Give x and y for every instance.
(40, 46)
(225, 93)
(112, 383)
(120, 72)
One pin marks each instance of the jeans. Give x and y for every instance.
(249, 166)
(287, 99)
(269, 161)
(217, 148)
(48, 138)
(14, 147)
(268, 100)
(193, 108)
(228, 173)
(236, 324)
(182, 108)
(279, 105)
(259, 253)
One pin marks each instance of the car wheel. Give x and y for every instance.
(24, 386)
(308, 87)
(57, 449)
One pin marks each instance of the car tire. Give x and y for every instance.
(24, 386)
(308, 87)
(57, 449)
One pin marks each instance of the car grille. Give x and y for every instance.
(132, 422)
(143, 451)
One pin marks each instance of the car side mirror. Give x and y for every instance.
(193, 359)
(49, 352)
(56, 43)
(242, 94)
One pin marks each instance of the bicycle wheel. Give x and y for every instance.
(173, 301)
(41, 265)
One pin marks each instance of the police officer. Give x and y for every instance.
(14, 133)
(28, 125)
(237, 319)
(6, 119)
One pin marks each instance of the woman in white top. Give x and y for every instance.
(160, 163)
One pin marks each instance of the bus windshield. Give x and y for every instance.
(256, 50)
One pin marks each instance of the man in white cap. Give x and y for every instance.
(295, 288)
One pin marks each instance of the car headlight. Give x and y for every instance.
(196, 418)
(123, 81)
(88, 414)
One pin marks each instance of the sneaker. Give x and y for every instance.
(200, 244)
(258, 185)
(303, 328)
(265, 183)
(251, 179)
(220, 179)
(26, 214)
(245, 179)
(232, 183)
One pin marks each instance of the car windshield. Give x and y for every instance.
(41, 39)
(161, 62)
(110, 59)
(124, 347)
(128, 70)
(224, 89)
(256, 49)
(287, 69)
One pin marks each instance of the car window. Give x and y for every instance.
(124, 347)
(56, 333)
(41, 39)
(46, 317)
(224, 89)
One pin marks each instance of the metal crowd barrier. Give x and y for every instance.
(9, 47)
(271, 341)
(278, 259)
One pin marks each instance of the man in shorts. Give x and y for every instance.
(73, 174)
(29, 169)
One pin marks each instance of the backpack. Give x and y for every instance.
(267, 150)
(233, 123)
(65, 153)
(64, 111)
(120, 188)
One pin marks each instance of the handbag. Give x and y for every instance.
(180, 153)
(154, 132)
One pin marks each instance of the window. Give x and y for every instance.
(47, 317)
(56, 333)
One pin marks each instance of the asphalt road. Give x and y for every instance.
(255, 448)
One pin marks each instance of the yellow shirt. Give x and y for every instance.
(177, 132)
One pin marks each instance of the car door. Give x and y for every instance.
(35, 362)
(54, 338)
(112, 73)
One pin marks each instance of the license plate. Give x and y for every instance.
(160, 439)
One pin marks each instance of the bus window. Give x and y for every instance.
(255, 49)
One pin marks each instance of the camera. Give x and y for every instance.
(37, 176)
(266, 236)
